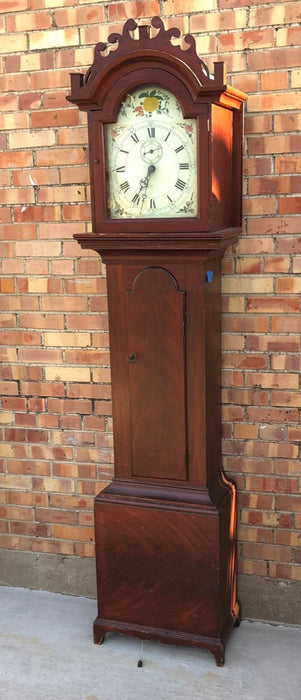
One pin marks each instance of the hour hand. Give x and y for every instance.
(150, 170)
(145, 180)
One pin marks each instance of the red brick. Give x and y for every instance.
(277, 264)
(90, 322)
(272, 101)
(274, 59)
(17, 338)
(52, 547)
(28, 467)
(273, 304)
(42, 389)
(275, 450)
(54, 118)
(84, 550)
(73, 501)
(51, 515)
(276, 80)
(60, 156)
(244, 361)
(70, 422)
(285, 362)
(79, 16)
(30, 100)
(272, 415)
(36, 404)
(10, 542)
(285, 398)
(24, 436)
(102, 391)
(19, 303)
(69, 406)
(237, 41)
(76, 212)
(42, 355)
(37, 213)
(290, 205)
(36, 320)
(281, 571)
(16, 159)
(73, 533)
(90, 357)
(289, 245)
(272, 343)
(46, 421)
(289, 503)
(274, 144)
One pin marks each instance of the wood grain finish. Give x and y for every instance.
(165, 527)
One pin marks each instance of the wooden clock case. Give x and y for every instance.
(165, 527)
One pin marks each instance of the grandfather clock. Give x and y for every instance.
(165, 141)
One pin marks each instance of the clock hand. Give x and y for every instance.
(144, 181)
(150, 170)
(152, 150)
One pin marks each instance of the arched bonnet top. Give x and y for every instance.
(126, 62)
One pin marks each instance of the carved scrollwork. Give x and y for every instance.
(145, 46)
(147, 39)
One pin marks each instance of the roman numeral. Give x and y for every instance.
(168, 135)
(123, 151)
(180, 184)
(125, 186)
(151, 132)
(135, 137)
(120, 169)
(180, 148)
(152, 204)
(136, 199)
(184, 166)
(169, 199)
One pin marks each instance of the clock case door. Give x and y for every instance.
(165, 526)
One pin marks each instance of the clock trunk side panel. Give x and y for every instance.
(196, 341)
(158, 567)
(97, 168)
(213, 370)
(222, 137)
(119, 370)
(228, 556)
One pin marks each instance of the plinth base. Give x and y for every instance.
(166, 570)
(214, 646)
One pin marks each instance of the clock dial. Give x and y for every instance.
(151, 158)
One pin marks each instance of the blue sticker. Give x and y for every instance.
(209, 275)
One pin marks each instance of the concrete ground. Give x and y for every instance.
(47, 653)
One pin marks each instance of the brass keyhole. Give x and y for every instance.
(132, 357)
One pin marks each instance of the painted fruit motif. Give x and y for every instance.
(150, 104)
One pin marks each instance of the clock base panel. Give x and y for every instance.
(166, 571)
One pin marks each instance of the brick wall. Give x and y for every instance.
(55, 412)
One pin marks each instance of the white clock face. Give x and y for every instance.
(151, 158)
